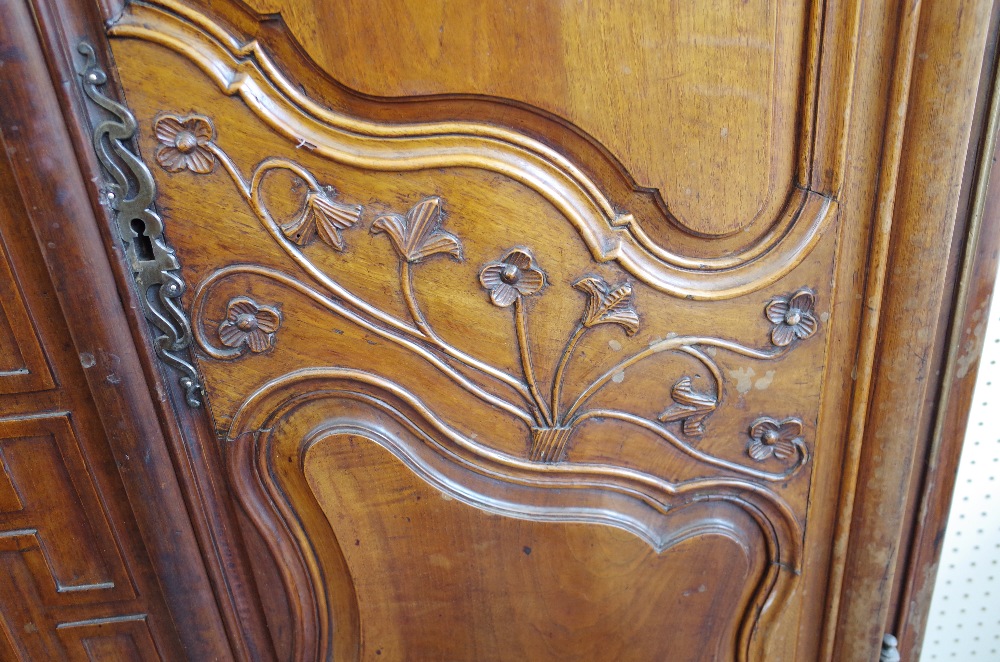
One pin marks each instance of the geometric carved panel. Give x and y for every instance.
(117, 638)
(23, 368)
(57, 552)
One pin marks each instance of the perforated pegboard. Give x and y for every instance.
(964, 621)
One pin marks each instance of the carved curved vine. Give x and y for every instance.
(244, 69)
(130, 195)
(417, 236)
(444, 457)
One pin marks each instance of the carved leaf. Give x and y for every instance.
(607, 305)
(418, 235)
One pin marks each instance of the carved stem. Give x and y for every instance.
(563, 361)
(336, 307)
(529, 373)
(712, 368)
(251, 192)
(230, 168)
(409, 295)
(675, 343)
(406, 285)
(803, 453)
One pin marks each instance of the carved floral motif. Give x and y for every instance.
(608, 305)
(550, 420)
(513, 277)
(322, 217)
(690, 407)
(772, 437)
(249, 324)
(182, 143)
(418, 235)
(792, 317)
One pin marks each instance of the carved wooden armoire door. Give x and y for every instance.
(541, 330)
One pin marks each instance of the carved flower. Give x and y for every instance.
(690, 407)
(183, 143)
(607, 305)
(249, 324)
(418, 234)
(513, 277)
(771, 437)
(792, 317)
(322, 217)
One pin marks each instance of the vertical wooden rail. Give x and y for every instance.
(937, 132)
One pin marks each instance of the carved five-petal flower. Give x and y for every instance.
(418, 234)
(250, 324)
(792, 316)
(772, 437)
(322, 217)
(607, 305)
(512, 277)
(183, 143)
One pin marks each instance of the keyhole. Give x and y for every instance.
(143, 246)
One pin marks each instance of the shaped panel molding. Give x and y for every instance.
(632, 229)
(280, 437)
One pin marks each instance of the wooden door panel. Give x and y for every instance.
(63, 572)
(437, 332)
(683, 94)
(496, 588)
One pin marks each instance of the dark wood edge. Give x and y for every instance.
(978, 257)
(187, 519)
(920, 277)
(45, 170)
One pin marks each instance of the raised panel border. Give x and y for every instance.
(245, 69)
(566, 492)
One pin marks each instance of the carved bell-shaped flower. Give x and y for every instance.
(418, 235)
(690, 407)
(322, 217)
(608, 305)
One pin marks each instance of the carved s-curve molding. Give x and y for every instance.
(417, 236)
(130, 194)
(492, 481)
(244, 69)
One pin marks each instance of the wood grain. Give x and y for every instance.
(527, 332)
(660, 85)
